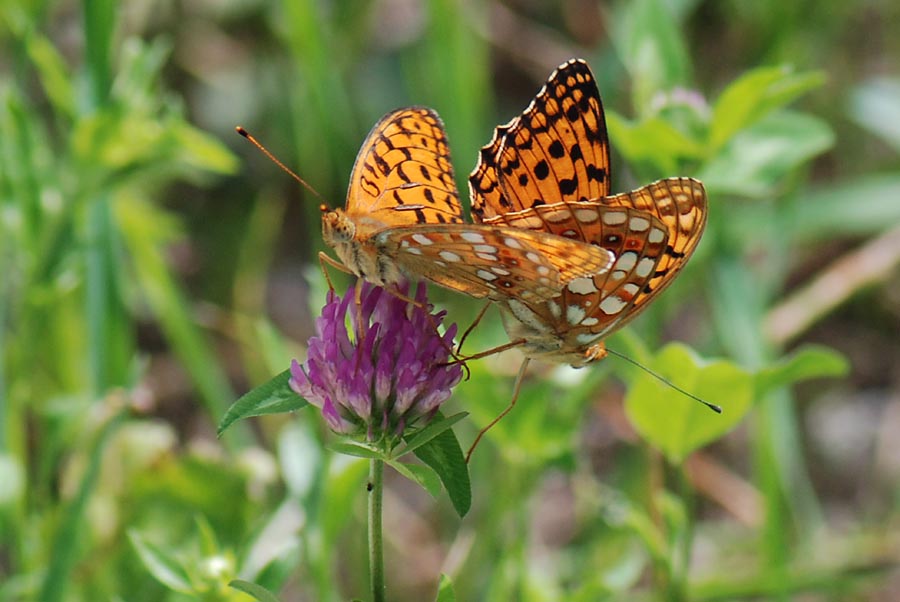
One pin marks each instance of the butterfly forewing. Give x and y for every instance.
(403, 174)
(497, 262)
(557, 150)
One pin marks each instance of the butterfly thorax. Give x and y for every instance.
(346, 236)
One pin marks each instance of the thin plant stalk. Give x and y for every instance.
(376, 535)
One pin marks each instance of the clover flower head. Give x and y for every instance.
(377, 368)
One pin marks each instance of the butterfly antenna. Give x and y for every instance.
(240, 130)
(662, 379)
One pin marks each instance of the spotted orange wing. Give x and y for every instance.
(651, 232)
(557, 150)
(494, 261)
(403, 174)
(403, 219)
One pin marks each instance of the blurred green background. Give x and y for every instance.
(155, 266)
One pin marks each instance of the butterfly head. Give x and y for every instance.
(337, 228)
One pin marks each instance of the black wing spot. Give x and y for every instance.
(556, 150)
(523, 180)
(575, 152)
(568, 185)
(542, 170)
(596, 174)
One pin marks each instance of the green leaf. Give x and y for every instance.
(652, 140)
(875, 105)
(164, 567)
(356, 449)
(272, 397)
(760, 156)
(826, 211)
(421, 474)
(648, 39)
(445, 590)
(432, 430)
(675, 423)
(811, 361)
(257, 591)
(444, 455)
(754, 95)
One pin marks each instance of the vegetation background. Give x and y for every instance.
(153, 266)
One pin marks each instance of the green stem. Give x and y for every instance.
(376, 536)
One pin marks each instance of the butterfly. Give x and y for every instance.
(547, 171)
(403, 218)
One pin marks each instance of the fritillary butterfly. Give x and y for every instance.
(403, 218)
(547, 171)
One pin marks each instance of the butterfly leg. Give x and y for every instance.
(326, 260)
(472, 327)
(512, 403)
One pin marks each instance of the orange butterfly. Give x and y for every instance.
(547, 171)
(403, 218)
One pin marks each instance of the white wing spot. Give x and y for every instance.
(614, 218)
(638, 224)
(450, 256)
(582, 286)
(488, 257)
(631, 288)
(574, 314)
(485, 275)
(512, 243)
(473, 237)
(413, 250)
(498, 270)
(627, 261)
(421, 239)
(590, 322)
(543, 270)
(485, 249)
(656, 236)
(532, 257)
(618, 274)
(586, 338)
(612, 305)
(555, 309)
(644, 267)
(586, 216)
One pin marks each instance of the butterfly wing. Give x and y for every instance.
(403, 174)
(557, 150)
(651, 232)
(497, 262)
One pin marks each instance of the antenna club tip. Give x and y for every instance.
(240, 130)
(324, 208)
(715, 408)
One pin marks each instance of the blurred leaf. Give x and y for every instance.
(675, 423)
(754, 95)
(649, 41)
(444, 455)
(432, 430)
(424, 475)
(272, 397)
(445, 590)
(13, 478)
(257, 591)
(348, 447)
(808, 362)
(652, 140)
(161, 564)
(200, 150)
(857, 207)
(762, 155)
(875, 105)
(52, 70)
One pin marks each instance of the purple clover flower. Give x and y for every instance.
(379, 375)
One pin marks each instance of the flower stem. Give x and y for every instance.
(376, 539)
